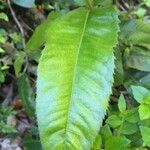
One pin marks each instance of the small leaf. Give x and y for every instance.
(2, 39)
(128, 128)
(134, 77)
(139, 93)
(132, 115)
(2, 50)
(136, 141)
(145, 122)
(144, 111)
(4, 16)
(15, 37)
(145, 131)
(119, 72)
(114, 121)
(147, 2)
(122, 103)
(26, 94)
(18, 63)
(5, 67)
(117, 143)
(5, 128)
(105, 132)
(136, 32)
(97, 143)
(138, 59)
(2, 77)
(147, 99)
(140, 12)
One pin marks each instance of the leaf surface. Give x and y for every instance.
(145, 131)
(26, 94)
(25, 3)
(139, 93)
(75, 76)
(136, 32)
(138, 59)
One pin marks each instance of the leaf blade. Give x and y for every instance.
(70, 119)
(26, 94)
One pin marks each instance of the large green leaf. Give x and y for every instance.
(75, 76)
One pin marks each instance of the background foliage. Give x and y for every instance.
(127, 124)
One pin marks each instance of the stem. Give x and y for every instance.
(17, 22)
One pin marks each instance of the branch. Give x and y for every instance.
(17, 22)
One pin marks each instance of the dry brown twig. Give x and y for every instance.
(17, 22)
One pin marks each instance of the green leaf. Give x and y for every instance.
(138, 59)
(2, 39)
(2, 50)
(2, 77)
(31, 144)
(38, 37)
(134, 77)
(144, 111)
(122, 103)
(117, 143)
(145, 122)
(147, 99)
(5, 67)
(136, 141)
(141, 12)
(114, 121)
(145, 131)
(105, 132)
(4, 16)
(26, 94)
(128, 128)
(25, 3)
(139, 93)
(5, 128)
(18, 63)
(75, 75)
(136, 32)
(147, 2)
(119, 72)
(132, 115)
(15, 37)
(97, 143)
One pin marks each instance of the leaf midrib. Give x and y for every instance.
(74, 73)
